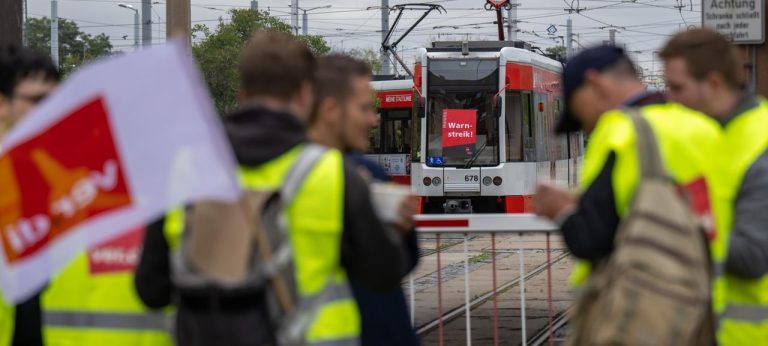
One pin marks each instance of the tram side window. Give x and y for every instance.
(397, 131)
(374, 138)
(415, 134)
(561, 139)
(514, 126)
(529, 145)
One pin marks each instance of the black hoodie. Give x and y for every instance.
(371, 255)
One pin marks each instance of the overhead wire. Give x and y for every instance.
(366, 32)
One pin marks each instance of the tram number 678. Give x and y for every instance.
(471, 178)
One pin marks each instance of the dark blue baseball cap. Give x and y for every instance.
(594, 58)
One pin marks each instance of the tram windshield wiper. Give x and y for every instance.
(477, 154)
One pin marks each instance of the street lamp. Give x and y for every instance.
(304, 19)
(136, 23)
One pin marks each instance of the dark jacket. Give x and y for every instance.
(28, 323)
(369, 256)
(590, 230)
(384, 315)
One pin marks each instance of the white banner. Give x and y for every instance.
(118, 144)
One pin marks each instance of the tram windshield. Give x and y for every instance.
(461, 127)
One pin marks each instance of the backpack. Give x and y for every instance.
(655, 287)
(235, 246)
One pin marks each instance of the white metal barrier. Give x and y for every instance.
(470, 225)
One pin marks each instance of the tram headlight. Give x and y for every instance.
(436, 181)
(427, 181)
(497, 181)
(487, 181)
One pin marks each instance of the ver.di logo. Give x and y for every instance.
(58, 179)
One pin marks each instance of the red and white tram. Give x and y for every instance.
(485, 128)
(390, 143)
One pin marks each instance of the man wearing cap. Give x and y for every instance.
(595, 83)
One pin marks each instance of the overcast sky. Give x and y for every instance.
(643, 25)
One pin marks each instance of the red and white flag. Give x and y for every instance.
(118, 144)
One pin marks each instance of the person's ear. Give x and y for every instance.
(595, 81)
(328, 111)
(714, 81)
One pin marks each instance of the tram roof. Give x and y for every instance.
(515, 52)
(396, 84)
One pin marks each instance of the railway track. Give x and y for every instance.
(449, 243)
(458, 311)
(558, 325)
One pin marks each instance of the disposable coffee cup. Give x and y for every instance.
(387, 198)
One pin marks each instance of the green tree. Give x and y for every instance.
(218, 52)
(75, 46)
(558, 51)
(370, 56)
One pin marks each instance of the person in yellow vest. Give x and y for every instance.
(703, 71)
(93, 300)
(329, 219)
(344, 113)
(610, 174)
(26, 78)
(594, 81)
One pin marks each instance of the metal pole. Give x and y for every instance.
(385, 63)
(146, 22)
(178, 22)
(501, 24)
(569, 38)
(439, 293)
(466, 291)
(295, 16)
(11, 22)
(413, 300)
(612, 37)
(495, 296)
(136, 26)
(578, 41)
(512, 21)
(24, 26)
(55, 32)
(304, 23)
(522, 291)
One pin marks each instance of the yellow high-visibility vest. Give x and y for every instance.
(744, 308)
(687, 141)
(84, 307)
(7, 319)
(315, 223)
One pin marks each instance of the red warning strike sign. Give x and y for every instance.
(59, 179)
(459, 127)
